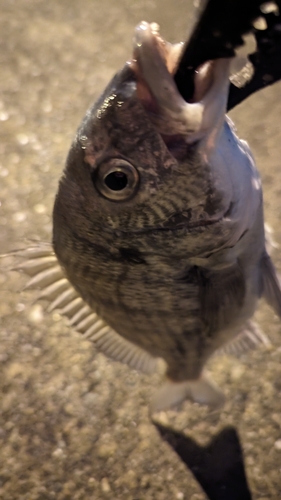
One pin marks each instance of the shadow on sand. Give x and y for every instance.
(218, 467)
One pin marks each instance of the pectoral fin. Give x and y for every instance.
(271, 284)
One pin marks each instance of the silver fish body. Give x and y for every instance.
(158, 224)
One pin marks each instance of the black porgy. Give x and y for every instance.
(158, 232)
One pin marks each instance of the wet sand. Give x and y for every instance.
(73, 424)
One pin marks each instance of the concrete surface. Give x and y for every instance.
(74, 425)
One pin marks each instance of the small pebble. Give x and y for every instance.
(20, 307)
(22, 139)
(237, 372)
(277, 445)
(180, 495)
(162, 418)
(14, 369)
(36, 314)
(106, 450)
(56, 316)
(47, 106)
(4, 116)
(129, 479)
(39, 208)
(19, 216)
(260, 24)
(92, 481)
(105, 486)
(4, 172)
(90, 398)
(36, 351)
(58, 453)
(269, 7)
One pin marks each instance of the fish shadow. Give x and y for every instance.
(218, 467)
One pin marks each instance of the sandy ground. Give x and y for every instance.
(74, 425)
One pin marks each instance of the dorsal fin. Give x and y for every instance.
(41, 264)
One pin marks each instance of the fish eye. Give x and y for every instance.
(116, 179)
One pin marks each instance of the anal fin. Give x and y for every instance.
(248, 339)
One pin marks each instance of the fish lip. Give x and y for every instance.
(158, 92)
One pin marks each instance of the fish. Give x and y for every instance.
(159, 247)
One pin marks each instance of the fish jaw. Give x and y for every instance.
(154, 63)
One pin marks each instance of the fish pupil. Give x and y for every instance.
(116, 181)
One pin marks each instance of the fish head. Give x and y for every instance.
(146, 164)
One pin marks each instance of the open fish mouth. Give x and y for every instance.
(154, 64)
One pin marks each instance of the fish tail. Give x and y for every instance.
(202, 390)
